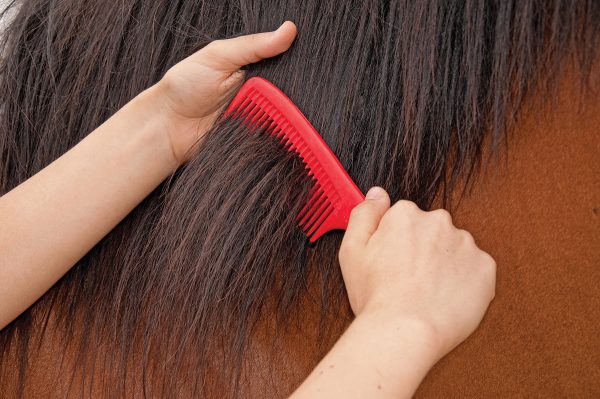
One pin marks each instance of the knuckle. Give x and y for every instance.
(214, 45)
(404, 207)
(488, 260)
(212, 49)
(167, 80)
(466, 237)
(492, 282)
(168, 76)
(488, 266)
(403, 213)
(442, 215)
(406, 204)
(488, 274)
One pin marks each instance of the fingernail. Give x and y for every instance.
(280, 26)
(375, 193)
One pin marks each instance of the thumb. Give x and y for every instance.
(231, 54)
(365, 217)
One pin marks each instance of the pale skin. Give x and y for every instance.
(417, 285)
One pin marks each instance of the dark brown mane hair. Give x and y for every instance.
(406, 93)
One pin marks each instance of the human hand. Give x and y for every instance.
(194, 91)
(404, 263)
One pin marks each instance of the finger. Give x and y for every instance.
(365, 217)
(232, 54)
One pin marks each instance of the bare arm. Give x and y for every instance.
(53, 219)
(377, 357)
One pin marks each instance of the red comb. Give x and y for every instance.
(334, 194)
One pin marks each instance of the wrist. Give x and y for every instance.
(160, 120)
(391, 353)
(422, 335)
(180, 132)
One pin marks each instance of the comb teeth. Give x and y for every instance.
(262, 106)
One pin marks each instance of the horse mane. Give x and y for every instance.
(408, 94)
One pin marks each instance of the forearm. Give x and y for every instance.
(377, 357)
(53, 219)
